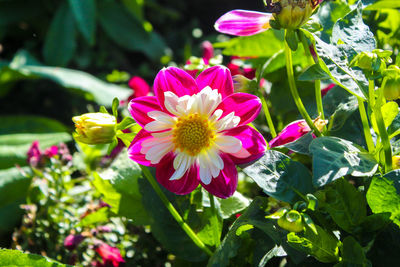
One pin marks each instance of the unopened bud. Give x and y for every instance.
(95, 128)
(294, 13)
(391, 87)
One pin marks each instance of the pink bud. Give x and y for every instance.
(34, 154)
(72, 241)
(208, 51)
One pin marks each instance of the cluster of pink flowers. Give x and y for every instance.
(37, 157)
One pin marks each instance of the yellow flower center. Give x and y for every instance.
(193, 133)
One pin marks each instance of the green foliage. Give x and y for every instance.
(383, 195)
(84, 12)
(346, 205)
(334, 157)
(322, 245)
(120, 188)
(13, 258)
(280, 177)
(352, 254)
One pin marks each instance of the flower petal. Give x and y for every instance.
(243, 22)
(186, 184)
(174, 80)
(136, 146)
(224, 185)
(290, 133)
(253, 144)
(141, 106)
(245, 106)
(217, 77)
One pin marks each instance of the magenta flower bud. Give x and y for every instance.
(208, 51)
(51, 151)
(72, 241)
(34, 154)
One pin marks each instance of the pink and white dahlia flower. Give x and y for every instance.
(195, 131)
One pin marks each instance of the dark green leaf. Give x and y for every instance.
(13, 11)
(314, 72)
(301, 145)
(323, 246)
(11, 124)
(345, 204)
(84, 12)
(353, 254)
(16, 258)
(280, 177)
(334, 157)
(120, 188)
(59, 45)
(383, 195)
(292, 40)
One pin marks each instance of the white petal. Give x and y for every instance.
(155, 141)
(157, 152)
(217, 114)
(228, 144)
(162, 134)
(161, 116)
(228, 122)
(183, 164)
(156, 126)
(205, 175)
(170, 102)
(215, 159)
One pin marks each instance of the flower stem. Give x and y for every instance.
(382, 128)
(213, 210)
(317, 83)
(185, 227)
(267, 114)
(366, 128)
(295, 93)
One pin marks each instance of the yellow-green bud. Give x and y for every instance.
(294, 13)
(396, 162)
(95, 128)
(391, 87)
(291, 221)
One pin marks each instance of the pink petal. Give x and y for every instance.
(139, 107)
(290, 133)
(175, 80)
(182, 186)
(245, 106)
(135, 147)
(252, 142)
(224, 185)
(208, 51)
(139, 86)
(243, 22)
(217, 77)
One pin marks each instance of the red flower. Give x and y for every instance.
(111, 256)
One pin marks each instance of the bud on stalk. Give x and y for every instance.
(95, 128)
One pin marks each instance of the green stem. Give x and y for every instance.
(382, 129)
(266, 112)
(371, 92)
(366, 128)
(295, 93)
(185, 227)
(213, 210)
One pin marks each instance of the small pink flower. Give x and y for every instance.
(243, 22)
(195, 131)
(34, 154)
(72, 241)
(110, 255)
(51, 151)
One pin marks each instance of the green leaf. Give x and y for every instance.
(265, 44)
(301, 145)
(314, 72)
(84, 12)
(292, 39)
(352, 31)
(280, 177)
(115, 104)
(120, 188)
(353, 254)
(127, 122)
(346, 205)
(59, 45)
(324, 246)
(389, 113)
(13, 190)
(127, 30)
(384, 4)
(211, 227)
(98, 90)
(11, 124)
(232, 205)
(383, 195)
(16, 258)
(99, 216)
(334, 157)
